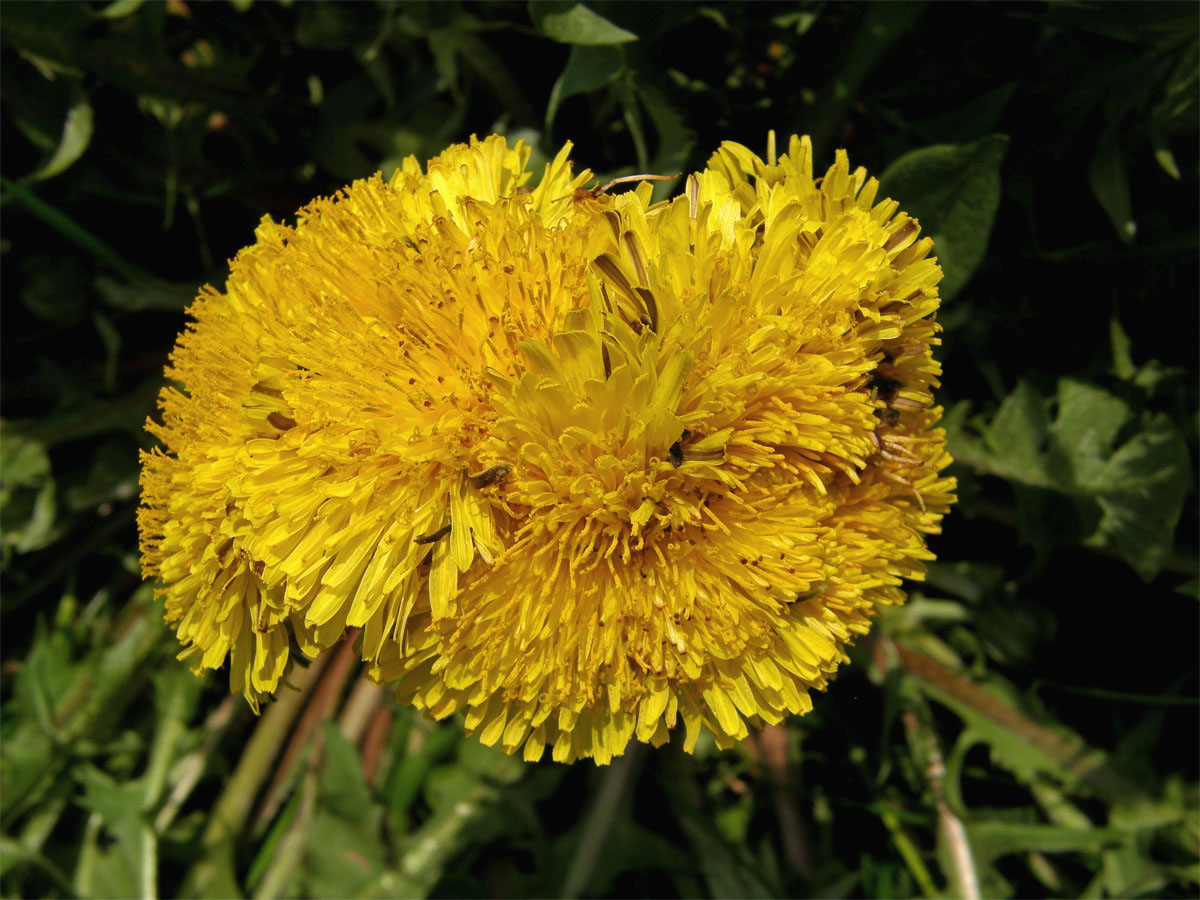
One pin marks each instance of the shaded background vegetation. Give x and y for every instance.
(1035, 703)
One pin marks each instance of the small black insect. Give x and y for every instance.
(884, 386)
(888, 416)
(490, 475)
(433, 535)
(675, 451)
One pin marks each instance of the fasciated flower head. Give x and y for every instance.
(580, 466)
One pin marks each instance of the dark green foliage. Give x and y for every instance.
(1040, 688)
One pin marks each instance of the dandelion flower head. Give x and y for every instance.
(580, 466)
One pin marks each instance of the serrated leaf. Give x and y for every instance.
(1129, 498)
(1088, 420)
(1141, 490)
(119, 868)
(23, 461)
(1017, 435)
(953, 190)
(1025, 747)
(574, 23)
(27, 493)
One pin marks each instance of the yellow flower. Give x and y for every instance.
(580, 466)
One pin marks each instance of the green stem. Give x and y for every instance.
(613, 788)
(12, 851)
(193, 765)
(76, 233)
(286, 860)
(166, 737)
(909, 853)
(230, 811)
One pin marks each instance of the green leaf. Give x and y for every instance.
(990, 840)
(974, 119)
(13, 853)
(429, 849)
(1088, 421)
(117, 868)
(1110, 184)
(23, 462)
(111, 338)
(954, 191)
(587, 69)
(425, 746)
(76, 234)
(1122, 365)
(1141, 490)
(628, 847)
(43, 683)
(343, 850)
(1179, 97)
(1129, 497)
(76, 135)
(344, 790)
(119, 9)
(1017, 435)
(627, 95)
(574, 23)
(675, 139)
(993, 714)
(27, 493)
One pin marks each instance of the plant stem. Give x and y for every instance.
(283, 866)
(326, 691)
(229, 812)
(192, 766)
(771, 745)
(600, 817)
(965, 878)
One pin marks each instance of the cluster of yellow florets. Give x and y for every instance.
(580, 466)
